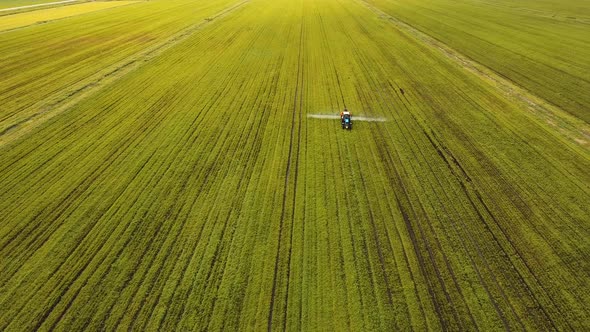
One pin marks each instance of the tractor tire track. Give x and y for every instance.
(296, 111)
(429, 249)
(217, 162)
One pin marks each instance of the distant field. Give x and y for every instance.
(44, 15)
(174, 165)
(47, 65)
(19, 3)
(543, 46)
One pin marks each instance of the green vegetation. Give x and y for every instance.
(20, 20)
(44, 66)
(20, 3)
(543, 46)
(168, 178)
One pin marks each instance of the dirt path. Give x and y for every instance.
(38, 5)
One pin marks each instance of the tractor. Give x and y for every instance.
(346, 120)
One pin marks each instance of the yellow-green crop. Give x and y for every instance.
(158, 171)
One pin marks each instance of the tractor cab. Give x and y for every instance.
(346, 120)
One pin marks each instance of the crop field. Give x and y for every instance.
(543, 46)
(43, 16)
(21, 3)
(175, 165)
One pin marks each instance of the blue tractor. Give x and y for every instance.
(346, 120)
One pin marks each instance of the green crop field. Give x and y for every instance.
(542, 45)
(19, 20)
(21, 3)
(176, 165)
